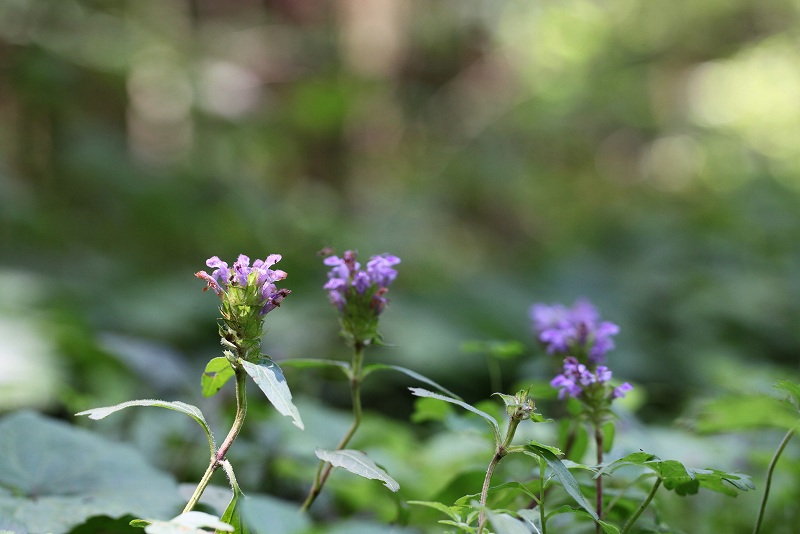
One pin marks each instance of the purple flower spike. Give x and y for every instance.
(576, 330)
(621, 390)
(222, 278)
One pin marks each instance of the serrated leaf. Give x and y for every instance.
(54, 476)
(188, 523)
(269, 377)
(562, 473)
(722, 482)
(413, 374)
(218, 371)
(419, 392)
(359, 464)
(178, 406)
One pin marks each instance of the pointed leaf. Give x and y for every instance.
(178, 406)
(269, 377)
(359, 464)
(218, 371)
(419, 392)
(233, 516)
(413, 374)
(562, 473)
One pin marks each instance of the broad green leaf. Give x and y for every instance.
(793, 389)
(192, 411)
(562, 473)
(554, 450)
(188, 523)
(218, 371)
(359, 464)
(416, 376)
(269, 377)
(426, 409)
(54, 476)
(419, 392)
(609, 431)
(734, 413)
(267, 515)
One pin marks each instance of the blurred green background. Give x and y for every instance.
(640, 154)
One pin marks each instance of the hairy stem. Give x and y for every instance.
(598, 439)
(324, 469)
(642, 507)
(500, 451)
(216, 460)
(768, 483)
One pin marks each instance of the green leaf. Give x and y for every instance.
(419, 392)
(233, 515)
(188, 523)
(416, 376)
(506, 524)
(562, 473)
(737, 412)
(793, 389)
(269, 377)
(178, 406)
(609, 431)
(359, 464)
(268, 515)
(218, 371)
(54, 476)
(450, 511)
(426, 409)
(721, 482)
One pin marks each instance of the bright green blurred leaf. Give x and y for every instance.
(561, 472)
(217, 372)
(419, 392)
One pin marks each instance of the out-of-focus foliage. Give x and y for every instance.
(642, 154)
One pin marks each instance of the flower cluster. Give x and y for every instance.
(247, 293)
(575, 377)
(359, 294)
(578, 334)
(241, 274)
(576, 330)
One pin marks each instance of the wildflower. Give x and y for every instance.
(247, 293)
(576, 330)
(359, 294)
(579, 381)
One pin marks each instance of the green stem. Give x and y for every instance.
(770, 470)
(324, 469)
(500, 451)
(642, 507)
(241, 410)
(598, 439)
(542, 472)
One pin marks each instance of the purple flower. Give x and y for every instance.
(577, 330)
(346, 279)
(621, 390)
(222, 278)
